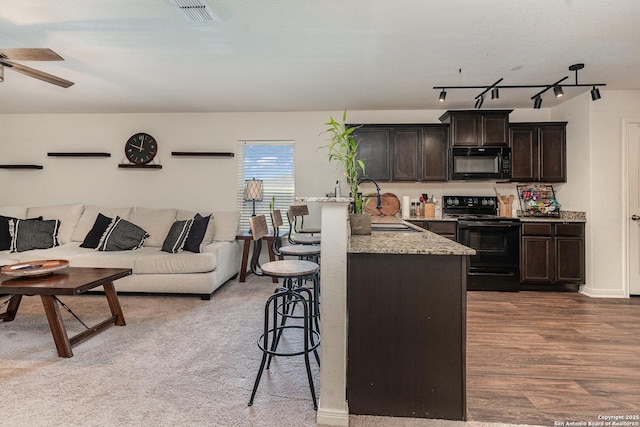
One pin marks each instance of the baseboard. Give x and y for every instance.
(602, 293)
(332, 418)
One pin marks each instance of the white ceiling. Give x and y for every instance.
(313, 55)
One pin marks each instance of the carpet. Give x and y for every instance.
(179, 361)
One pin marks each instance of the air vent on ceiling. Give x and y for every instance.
(196, 10)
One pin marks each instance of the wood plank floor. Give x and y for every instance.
(543, 358)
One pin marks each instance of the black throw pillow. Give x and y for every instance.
(122, 235)
(28, 234)
(5, 235)
(174, 242)
(197, 232)
(95, 234)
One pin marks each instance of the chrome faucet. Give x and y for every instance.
(378, 201)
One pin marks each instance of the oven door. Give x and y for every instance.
(496, 263)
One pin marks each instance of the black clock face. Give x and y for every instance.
(141, 148)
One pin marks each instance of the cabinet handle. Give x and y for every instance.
(635, 217)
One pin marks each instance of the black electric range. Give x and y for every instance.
(495, 239)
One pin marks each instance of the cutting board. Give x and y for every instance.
(389, 201)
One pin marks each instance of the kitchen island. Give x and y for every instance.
(406, 305)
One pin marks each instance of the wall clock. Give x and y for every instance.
(141, 148)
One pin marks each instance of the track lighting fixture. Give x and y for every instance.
(558, 92)
(537, 102)
(537, 98)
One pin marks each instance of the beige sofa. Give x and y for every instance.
(154, 270)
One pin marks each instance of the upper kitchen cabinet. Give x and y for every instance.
(404, 153)
(473, 128)
(374, 148)
(538, 152)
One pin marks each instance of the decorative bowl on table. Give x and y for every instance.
(34, 268)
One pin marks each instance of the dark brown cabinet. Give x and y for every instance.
(552, 253)
(404, 153)
(538, 152)
(374, 148)
(444, 228)
(471, 128)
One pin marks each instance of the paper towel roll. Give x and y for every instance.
(406, 207)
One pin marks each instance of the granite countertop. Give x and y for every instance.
(419, 242)
(565, 216)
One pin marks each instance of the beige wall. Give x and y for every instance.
(595, 157)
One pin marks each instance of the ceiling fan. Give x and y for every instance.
(7, 56)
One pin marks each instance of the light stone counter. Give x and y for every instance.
(565, 216)
(406, 242)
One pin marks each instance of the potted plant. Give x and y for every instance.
(343, 149)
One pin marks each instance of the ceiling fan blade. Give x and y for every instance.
(31, 54)
(49, 78)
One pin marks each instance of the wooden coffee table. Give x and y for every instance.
(70, 281)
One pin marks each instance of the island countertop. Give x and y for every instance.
(419, 242)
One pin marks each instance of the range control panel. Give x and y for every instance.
(469, 205)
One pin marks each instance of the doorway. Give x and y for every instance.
(632, 139)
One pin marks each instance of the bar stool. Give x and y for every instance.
(280, 307)
(295, 239)
(302, 252)
(300, 211)
(305, 252)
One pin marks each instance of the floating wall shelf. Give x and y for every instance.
(128, 166)
(20, 166)
(78, 154)
(202, 154)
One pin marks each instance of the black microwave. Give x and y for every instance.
(479, 163)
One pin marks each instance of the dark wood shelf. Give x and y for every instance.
(128, 166)
(202, 154)
(78, 154)
(21, 167)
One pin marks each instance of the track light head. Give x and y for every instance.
(595, 94)
(479, 101)
(495, 94)
(443, 96)
(537, 102)
(557, 90)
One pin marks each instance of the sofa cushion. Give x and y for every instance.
(197, 233)
(27, 234)
(122, 235)
(184, 262)
(157, 222)
(88, 219)
(97, 231)
(114, 259)
(227, 224)
(14, 211)
(67, 214)
(177, 236)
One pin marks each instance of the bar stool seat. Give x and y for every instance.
(289, 268)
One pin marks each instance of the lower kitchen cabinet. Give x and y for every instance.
(552, 253)
(444, 228)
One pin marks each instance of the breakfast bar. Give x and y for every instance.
(406, 305)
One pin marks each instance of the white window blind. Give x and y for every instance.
(273, 163)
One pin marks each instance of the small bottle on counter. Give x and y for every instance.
(418, 209)
(337, 192)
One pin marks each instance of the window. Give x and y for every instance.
(272, 162)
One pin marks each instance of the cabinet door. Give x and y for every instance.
(495, 130)
(374, 145)
(434, 153)
(570, 264)
(406, 152)
(465, 129)
(552, 153)
(537, 259)
(443, 228)
(524, 153)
